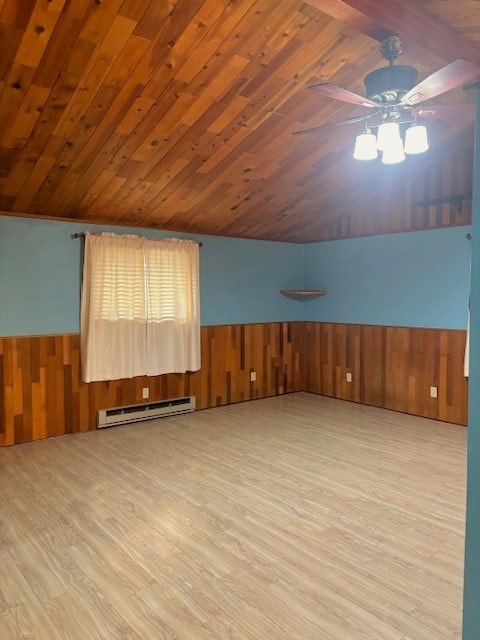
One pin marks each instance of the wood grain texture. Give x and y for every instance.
(41, 394)
(464, 17)
(391, 367)
(291, 518)
(432, 29)
(394, 205)
(179, 115)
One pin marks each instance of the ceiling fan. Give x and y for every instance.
(395, 99)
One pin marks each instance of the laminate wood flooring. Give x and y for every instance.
(292, 518)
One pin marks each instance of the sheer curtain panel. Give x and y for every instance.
(140, 311)
(172, 306)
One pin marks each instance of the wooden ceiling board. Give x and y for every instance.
(180, 114)
(423, 32)
(362, 183)
(463, 16)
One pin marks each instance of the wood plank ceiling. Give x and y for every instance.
(179, 114)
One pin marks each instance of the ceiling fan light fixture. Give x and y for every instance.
(365, 146)
(416, 139)
(388, 135)
(393, 153)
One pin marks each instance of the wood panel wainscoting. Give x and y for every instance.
(42, 395)
(391, 367)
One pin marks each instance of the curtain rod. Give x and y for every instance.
(83, 233)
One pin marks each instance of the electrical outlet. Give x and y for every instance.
(433, 392)
(349, 377)
(253, 376)
(145, 393)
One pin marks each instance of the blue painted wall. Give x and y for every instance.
(471, 602)
(418, 279)
(40, 277)
(411, 279)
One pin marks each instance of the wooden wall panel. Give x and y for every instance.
(399, 202)
(41, 394)
(391, 367)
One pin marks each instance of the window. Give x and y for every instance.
(140, 307)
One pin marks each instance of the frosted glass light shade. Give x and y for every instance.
(365, 146)
(394, 152)
(388, 133)
(416, 139)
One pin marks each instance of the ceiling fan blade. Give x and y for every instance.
(337, 93)
(330, 125)
(446, 78)
(444, 111)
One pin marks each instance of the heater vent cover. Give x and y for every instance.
(145, 411)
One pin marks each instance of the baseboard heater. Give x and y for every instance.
(146, 411)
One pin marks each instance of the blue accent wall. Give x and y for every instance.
(417, 279)
(471, 603)
(40, 267)
(410, 279)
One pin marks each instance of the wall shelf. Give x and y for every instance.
(302, 294)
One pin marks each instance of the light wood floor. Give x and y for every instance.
(297, 517)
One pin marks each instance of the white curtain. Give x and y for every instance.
(466, 363)
(140, 307)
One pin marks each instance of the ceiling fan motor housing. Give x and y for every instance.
(389, 84)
